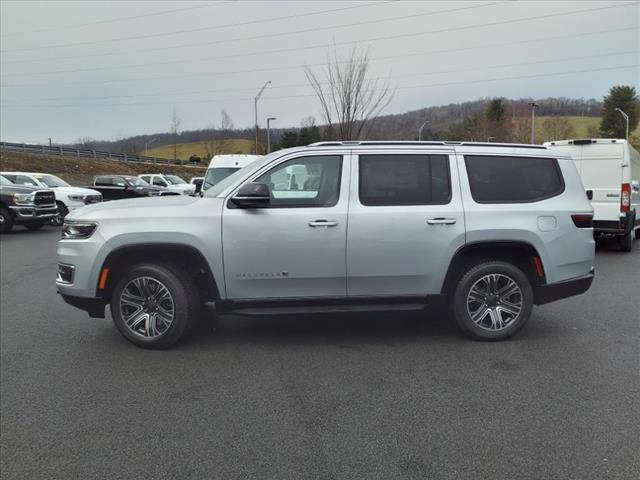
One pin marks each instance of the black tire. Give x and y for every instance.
(474, 275)
(185, 298)
(626, 241)
(6, 220)
(62, 213)
(34, 226)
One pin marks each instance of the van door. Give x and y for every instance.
(406, 221)
(294, 247)
(601, 171)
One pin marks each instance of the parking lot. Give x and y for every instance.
(358, 396)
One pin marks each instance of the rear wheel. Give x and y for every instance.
(626, 241)
(6, 220)
(492, 300)
(154, 305)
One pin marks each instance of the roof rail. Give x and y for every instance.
(408, 143)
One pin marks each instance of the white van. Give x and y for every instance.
(610, 171)
(221, 166)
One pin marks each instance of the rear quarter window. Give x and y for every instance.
(498, 179)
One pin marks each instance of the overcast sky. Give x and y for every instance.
(111, 69)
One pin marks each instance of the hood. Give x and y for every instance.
(19, 189)
(134, 207)
(76, 191)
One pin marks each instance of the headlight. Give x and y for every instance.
(78, 230)
(23, 198)
(76, 198)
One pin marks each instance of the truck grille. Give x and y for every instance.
(89, 199)
(44, 198)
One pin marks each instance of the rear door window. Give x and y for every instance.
(498, 179)
(404, 180)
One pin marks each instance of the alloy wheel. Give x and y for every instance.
(494, 302)
(147, 307)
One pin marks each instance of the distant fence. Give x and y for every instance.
(95, 154)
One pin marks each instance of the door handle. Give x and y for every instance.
(441, 221)
(323, 223)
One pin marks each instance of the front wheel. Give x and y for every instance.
(6, 220)
(62, 213)
(153, 305)
(492, 300)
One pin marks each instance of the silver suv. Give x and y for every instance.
(487, 229)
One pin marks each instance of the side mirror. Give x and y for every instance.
(252, 195)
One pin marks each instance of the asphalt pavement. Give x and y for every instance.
(365, 396)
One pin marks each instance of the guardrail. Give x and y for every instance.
(84, 153)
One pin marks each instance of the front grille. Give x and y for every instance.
(89, 199)
(44, 198)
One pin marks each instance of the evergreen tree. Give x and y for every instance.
(289, 139)
(613, 125)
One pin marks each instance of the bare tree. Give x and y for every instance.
(219, 139)
(175, 132)
(86, 143)
(349, 100)
(556, 128)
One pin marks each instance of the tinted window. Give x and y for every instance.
(304, 182)
(404, 180)
(103, 182)
(513, 179)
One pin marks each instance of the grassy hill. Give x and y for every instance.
(80, 171)
(185, 150)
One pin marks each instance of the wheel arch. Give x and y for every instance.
(520, 253)
(187, 256)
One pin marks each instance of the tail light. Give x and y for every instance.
(582, 220)
(625, 197)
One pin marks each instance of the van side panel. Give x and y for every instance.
(602, 172)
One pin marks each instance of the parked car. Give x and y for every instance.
(221, 166)
(490, 230)
(197, 181)
(23, 205)
(610, 171)
(171, 182)
(116, 187)
(68, 198)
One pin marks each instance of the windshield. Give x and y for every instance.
(174, 180)
(216, 175)
(4, 181)
(51, 181)
(221, 186)
(136, 182)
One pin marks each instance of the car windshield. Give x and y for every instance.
(216, 175)
(51, 181)
(174, 180)
(221, 186)
(136, 182)
(4, 181)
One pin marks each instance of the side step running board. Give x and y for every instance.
(297, 310)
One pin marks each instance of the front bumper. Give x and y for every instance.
(93, 306)
(568, 288)
(33, 212)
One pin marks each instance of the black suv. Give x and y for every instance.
(116, 187)
(22, 205)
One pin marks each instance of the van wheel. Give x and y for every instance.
(153, 305)
(626, 241)
(492, 300)
(6, 220)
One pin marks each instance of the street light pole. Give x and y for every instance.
(269, 133)
(533, 106)
(420, 130)
(146, 144)
(255, 106)
(626, 118)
